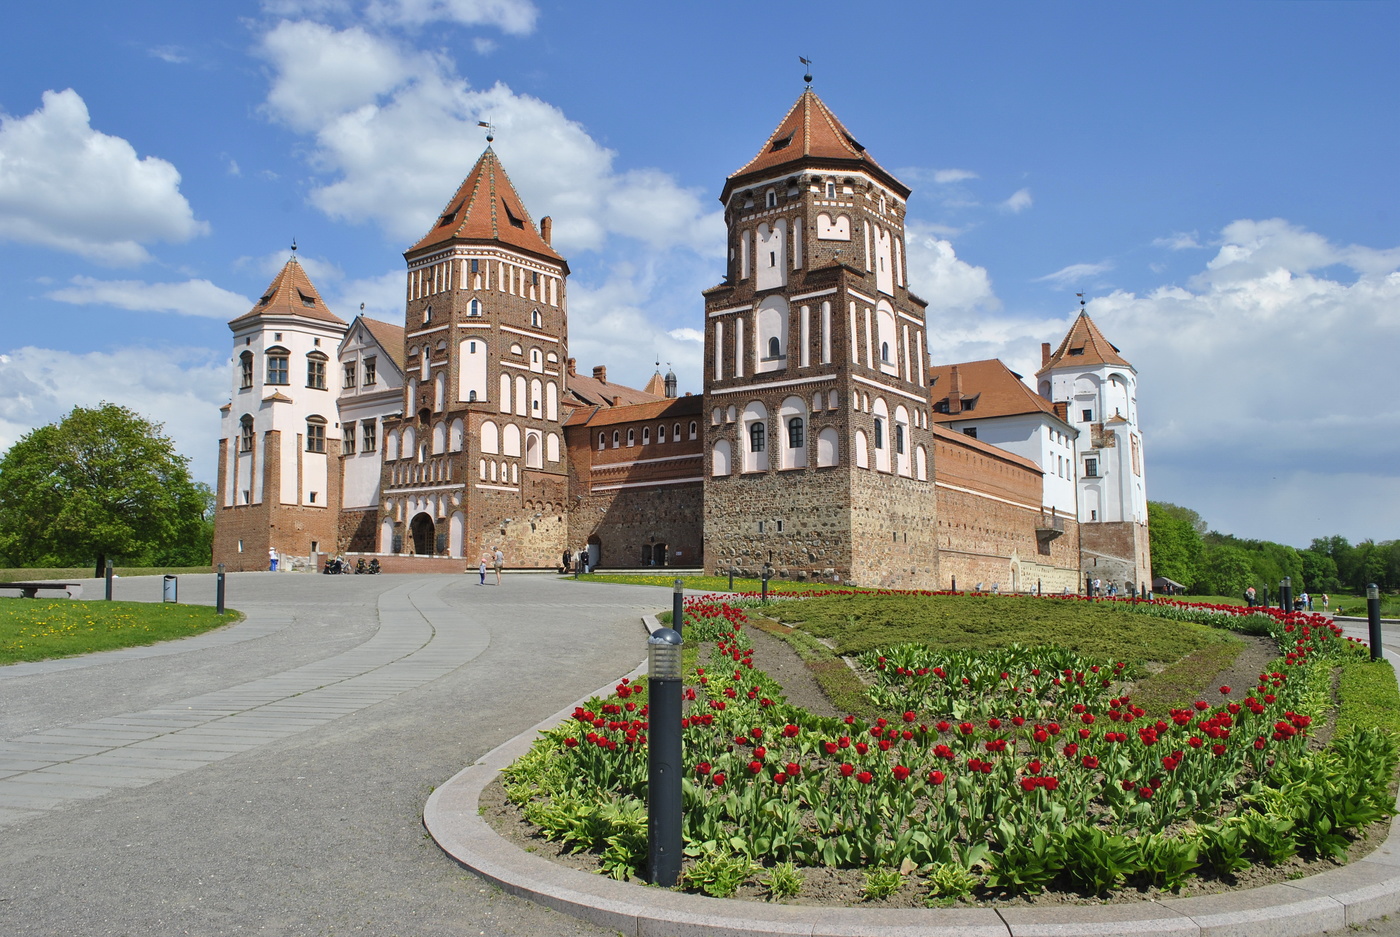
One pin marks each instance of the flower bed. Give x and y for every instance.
(989, 772)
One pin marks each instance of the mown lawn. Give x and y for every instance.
(707, 583)
(858, 623)
(39, 629)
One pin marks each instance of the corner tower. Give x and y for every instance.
(818, 442)
(279, 467)
(1098, 387)
(477, 458)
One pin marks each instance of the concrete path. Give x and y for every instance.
(269, 778)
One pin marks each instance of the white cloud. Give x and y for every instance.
(687, 335)
(382, 296)
(483, 46)
(1075, 274)
(1272, 373)
(269, 265)
(66, 186)
(938, 276)
(172, 54)
(180, 387)
(945, 176)
(1179, 241)
(1019, 201)
(516, 17)
(394, 130)
(190, 298)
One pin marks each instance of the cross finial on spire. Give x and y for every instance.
(490, 129)
(808, 62)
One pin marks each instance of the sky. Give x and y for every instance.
(1219, 180)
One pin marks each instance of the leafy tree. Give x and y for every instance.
(100, 483)
(1225, 569)
(1319, 572)
(1174, 533)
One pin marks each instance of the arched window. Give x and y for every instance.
(245, 368)
(757, 436)
(694, 428)
(879, 433)
(775, 347)
(245, 433)
(885, 352)
(827, 447)
(602, 441)
(617, 439)
(646, 435)
(277, 365)
(315, 434)
(796, 438)
(661, 433)
(676, 430)
(535, 318)
(631, 437)
(475, 309)
(471, 396)
(899, 438)
(831, 190)
(534, 454)
(720, 459)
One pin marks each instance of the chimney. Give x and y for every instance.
(1044, 353)
(546, 227)
(617, 401)
(572, 367)
(600, 373)
(955, 391)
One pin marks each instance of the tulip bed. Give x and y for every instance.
(993, 772)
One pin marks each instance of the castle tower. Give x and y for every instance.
(818, 440)
(477, 458)
(1099, 388)
(279, 468)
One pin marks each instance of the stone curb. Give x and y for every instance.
(1363, 890)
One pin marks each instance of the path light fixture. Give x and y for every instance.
(1373, 619)
(664, 756)
(1285, 594)
(677, 606)
(219, 591)
(767, 575)
(108, 577)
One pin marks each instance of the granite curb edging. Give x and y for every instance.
(1360, 891)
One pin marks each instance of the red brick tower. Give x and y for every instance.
(477, 458)
(819, 453)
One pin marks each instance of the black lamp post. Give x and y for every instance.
(1373, 619)
(767, 574)
(678, 606)
(1285, 594)
(108, 577)
(664, 765)
(219, 590)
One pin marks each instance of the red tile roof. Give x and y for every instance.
(953, 436)
(1085, 346)
(672, 407)
(592, 391)
(996, 389)
(291, 294)
(810, 132)
(486, 207)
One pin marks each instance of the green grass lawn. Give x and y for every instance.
(38, 629)
(88, 572)
(707, 583)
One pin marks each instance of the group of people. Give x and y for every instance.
(494, 558)
(1303, 602)
(568, 560)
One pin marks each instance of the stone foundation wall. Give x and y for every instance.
(1116, 552)
(627, 520)
(893, 535)
(811, 505)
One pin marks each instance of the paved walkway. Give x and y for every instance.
(269, 778)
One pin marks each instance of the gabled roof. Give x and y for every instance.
(997, 389)
(649, 410)
(657, 385)
(811, 133)
(486, 207)
(386, 335)
(1084, 346)
(291, 293)
(591, 391)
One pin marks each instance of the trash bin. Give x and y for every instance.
(171, 588)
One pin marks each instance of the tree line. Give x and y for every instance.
(102, 484)
(1208, 562)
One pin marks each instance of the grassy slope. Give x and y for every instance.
(38, 629)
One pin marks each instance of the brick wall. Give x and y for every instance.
(1116, 552)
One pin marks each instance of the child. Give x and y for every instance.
(482, 570)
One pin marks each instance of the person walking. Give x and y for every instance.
(481, 567)
(499, 560)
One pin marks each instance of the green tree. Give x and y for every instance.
(1225, 569)
(1175, 536)
(100, 483)
(1319, 572)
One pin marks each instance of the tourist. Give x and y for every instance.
(481, 568)
(1249, 596)
(499, 561)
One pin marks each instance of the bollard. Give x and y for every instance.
(219, 591)
(955, 585)
(1285, 594)
(678, 607)
(731, 579)
(109, 580)
(767, 572)
(664, 764)
(1373, 619)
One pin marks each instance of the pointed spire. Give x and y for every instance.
(291, 293)
(1083, 346)
(811, 133)
(486, 207)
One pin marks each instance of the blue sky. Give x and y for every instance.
(1220, 179)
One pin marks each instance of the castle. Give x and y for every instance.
(824, 446)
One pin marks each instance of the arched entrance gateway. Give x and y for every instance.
(423, 533)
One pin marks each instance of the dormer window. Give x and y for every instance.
(511, 216)
(781, 143)
(267, 298)
(306, 300)
(450, 216)
(1076, 351)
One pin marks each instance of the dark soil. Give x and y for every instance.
(844, 887)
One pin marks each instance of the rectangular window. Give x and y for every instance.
(245, 436)
(245, 363)
(476, 266)
(1091, 468)
(1088, 416)
(367, 434)
(315, 437)
(780, 526)
(277, 369)
(760, 526)
(369, 371)
(316, 373)
(970, 431)
(349, 374)
(313, 497)
(347, 436)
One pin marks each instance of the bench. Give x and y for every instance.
(30, 590)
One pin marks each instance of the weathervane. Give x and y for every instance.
(1081, 299)
(808, 62)
(490, 129)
